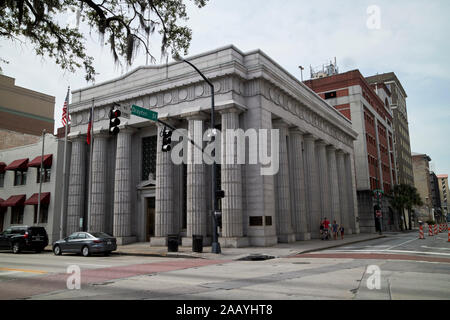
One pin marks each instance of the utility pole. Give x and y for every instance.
(41, 168)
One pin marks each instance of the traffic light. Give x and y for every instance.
(167, 140)
(114, 120)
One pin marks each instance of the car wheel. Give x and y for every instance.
(16, 247)
(57, 250)
(85, 251)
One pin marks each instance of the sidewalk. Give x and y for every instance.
(280, 250)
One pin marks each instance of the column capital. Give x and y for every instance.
(100, 133)
(195, 115)
(309, 137)
(331, 148)
(321, 143)
(231, 108)
(76, 136)
(125, 128)
(296, 130)
(279, 124)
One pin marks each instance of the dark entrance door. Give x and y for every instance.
(150, 226)
(2, 217)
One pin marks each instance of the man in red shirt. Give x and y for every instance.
(326, 224)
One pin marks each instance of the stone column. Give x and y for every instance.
(312, 186)
(164, 195)
(231, 175)
(122, 188)
(297, 183)
(77, 185)
(351, 194)
(97, 219)
(334, 185)
(324, 181)
(196, 184)
(283, 213)
(343, 190)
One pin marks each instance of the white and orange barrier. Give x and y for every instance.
(436, 230)
(421, 235)
(430, 230)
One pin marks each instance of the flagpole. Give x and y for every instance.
(88, 224)
(61, 223)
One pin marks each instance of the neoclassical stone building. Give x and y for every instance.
(139, 194)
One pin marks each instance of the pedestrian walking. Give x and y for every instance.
(341, 230)
(335, 228)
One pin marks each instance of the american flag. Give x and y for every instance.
(65, 115)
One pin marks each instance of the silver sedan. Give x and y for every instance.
(86, 243)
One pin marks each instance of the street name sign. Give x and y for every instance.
(144, 113)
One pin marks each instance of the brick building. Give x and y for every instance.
(422, 182)
(443, 191)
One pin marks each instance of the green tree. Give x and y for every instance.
(404, 196)
(123, 25)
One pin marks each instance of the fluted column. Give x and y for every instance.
(283, 198)
(122, 188)
(164, 197)
(196, 186)
(334, 185)
(297, 182)
(351, 194)
(231, 178)
(325, 197)
(312, 186)
(343, 190)
(77, 185)
(97, 219)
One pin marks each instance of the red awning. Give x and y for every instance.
(2, 167)
(14, 201)
(45, 198)
(47, 163)
(18, 164)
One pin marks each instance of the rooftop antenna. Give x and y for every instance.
(301, 71)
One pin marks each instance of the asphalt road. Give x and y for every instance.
(399, 266)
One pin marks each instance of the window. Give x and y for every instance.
(43, 215)
(149, 145)
(256, 221)
(330, 95)
(46, 175)
(2, 180)
(20, 178)
(17, 215)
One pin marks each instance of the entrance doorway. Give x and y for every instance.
(2, 217)
(150, 225)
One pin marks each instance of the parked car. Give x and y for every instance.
(22, 238)
(86, 243)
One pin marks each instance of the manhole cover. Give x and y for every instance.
(256, 257)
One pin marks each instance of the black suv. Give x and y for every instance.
(24, 238)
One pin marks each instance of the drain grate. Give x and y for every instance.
(256, 257)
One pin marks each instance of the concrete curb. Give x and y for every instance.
(156, 254)
(338, 245)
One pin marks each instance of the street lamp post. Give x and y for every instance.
(215, 241)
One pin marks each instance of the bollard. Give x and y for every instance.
(430, 230)
(421, 236)
(448, 235)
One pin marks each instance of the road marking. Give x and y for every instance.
(8, 272)
(392, 251)
(435, 248)
(23, 270)
(398, 245)
(88, 264)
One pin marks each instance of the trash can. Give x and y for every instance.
(172, 243)
(197, 243)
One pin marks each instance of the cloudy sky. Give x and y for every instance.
(412, 41)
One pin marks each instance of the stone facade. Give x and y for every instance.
(251, 92)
